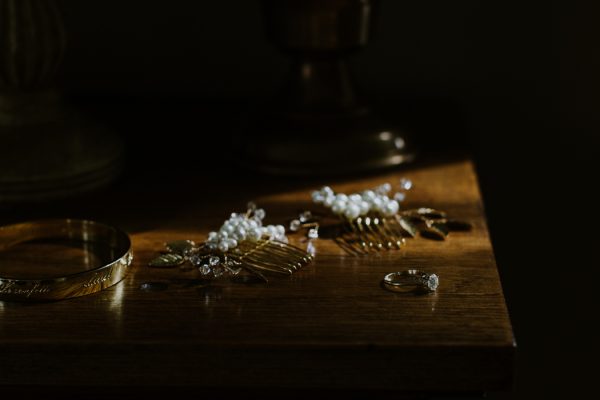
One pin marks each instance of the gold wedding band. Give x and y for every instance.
(117, 257)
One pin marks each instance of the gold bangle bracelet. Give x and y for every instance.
(112, 270)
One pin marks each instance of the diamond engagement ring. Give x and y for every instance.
(411, 280)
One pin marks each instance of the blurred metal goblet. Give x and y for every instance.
(318, 124)
(47, 149)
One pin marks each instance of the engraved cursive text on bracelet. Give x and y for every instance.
(13, 288)
(98, 279)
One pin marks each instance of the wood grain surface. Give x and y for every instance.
(330, 325)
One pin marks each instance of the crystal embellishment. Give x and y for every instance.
(295, 225)
(406, 184)
(205, 269)
(305, 216)
(432, 282)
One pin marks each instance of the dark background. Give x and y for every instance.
(515, 83)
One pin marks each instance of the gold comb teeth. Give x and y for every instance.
(371, 221)
(242, 243)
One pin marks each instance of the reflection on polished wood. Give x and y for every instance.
(329, 325)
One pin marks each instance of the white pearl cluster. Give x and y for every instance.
(360, 204)
(244, 227)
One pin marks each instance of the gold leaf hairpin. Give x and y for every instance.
(242, 243)
(371, 221)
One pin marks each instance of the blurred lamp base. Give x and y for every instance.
(323, 145)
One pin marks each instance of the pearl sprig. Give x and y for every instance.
(244, 227)
(354, 205)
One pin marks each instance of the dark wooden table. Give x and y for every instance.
(331, 325)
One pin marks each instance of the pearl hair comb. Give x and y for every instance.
(243, 243)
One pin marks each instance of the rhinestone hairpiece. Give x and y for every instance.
(243, 243)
